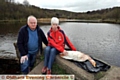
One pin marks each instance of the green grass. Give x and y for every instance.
(57, 70)
(99, 75)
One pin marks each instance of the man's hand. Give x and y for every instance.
(23, 58)
(64, 53)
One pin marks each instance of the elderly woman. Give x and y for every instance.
(56, 45)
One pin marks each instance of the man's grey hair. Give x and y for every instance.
(31, 16)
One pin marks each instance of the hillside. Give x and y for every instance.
(19, 11)
(16, 11)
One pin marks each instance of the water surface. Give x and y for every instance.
(100, 40)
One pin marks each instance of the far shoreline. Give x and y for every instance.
(47, 21)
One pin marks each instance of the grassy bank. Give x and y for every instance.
(41, 21)
(111, 21)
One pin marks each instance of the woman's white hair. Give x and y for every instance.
(54, 20)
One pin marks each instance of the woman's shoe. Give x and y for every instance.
(44, 69)
(48, 71)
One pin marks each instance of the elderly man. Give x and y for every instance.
(29, 42)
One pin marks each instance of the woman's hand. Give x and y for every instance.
(64, 53)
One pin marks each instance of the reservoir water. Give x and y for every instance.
(100, 40)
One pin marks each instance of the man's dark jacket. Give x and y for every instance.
(23, 37)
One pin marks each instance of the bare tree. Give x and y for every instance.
(26, 3)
